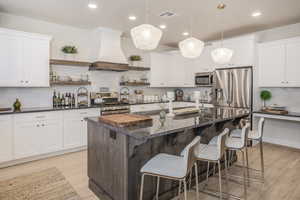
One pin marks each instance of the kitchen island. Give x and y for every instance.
(116, 155)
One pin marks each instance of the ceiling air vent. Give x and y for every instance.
(167, 14)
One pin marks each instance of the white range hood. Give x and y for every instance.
(108, 54)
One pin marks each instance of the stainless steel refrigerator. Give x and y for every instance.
(233, 87)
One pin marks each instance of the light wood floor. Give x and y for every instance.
(282, 178)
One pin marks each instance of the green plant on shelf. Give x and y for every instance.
(69, 50)
(265, 95)
(135, 58)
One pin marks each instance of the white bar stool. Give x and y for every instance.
(239, 144)
(214, 154)
(254, 135)
(172, 167)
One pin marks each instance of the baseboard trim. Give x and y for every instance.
(40, 157)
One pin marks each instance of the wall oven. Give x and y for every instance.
(204, 79)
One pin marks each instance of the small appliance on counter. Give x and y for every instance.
(179, 95)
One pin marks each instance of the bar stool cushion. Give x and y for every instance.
(213, 141)
(207, 152)
(234, 143)
(254, 135)
(236, 133)
(166, 165)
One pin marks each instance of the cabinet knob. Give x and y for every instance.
(22, 81)
(26, 81)
(38, 125)
(43, 124)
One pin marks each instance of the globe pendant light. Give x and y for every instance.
(146, 36)
(191, 47)
(222, 55)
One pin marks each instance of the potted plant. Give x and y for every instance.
(69, 51)
(265, 95)
(135, 60)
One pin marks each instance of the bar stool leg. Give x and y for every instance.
(142, 187)
(262, 159)
(179, 190)
(190, 179)
(207, 174)
(185, 190)
(226, 174)
(220, 180)
(157, 187)
(197, 181)
(244, 174)
(247, 164)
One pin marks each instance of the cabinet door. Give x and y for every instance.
(6, 139)
(204, 63)
(73, 132)
(293, 64)
(36, 62)
(26, 139)
(51, 136)
(272, 65)
(11, 60)
(159, 69)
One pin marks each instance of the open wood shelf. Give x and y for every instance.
(134, 84)
(69, 63)
(132, 68)
(70, 83)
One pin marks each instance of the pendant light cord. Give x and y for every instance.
(147, 11)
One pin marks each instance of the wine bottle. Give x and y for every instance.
(63, 101)
(73, 100)
(54, 100)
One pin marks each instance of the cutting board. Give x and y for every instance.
(5, 109)
(186, 111)
(125, 120)
(278, 112)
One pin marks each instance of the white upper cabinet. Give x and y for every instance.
(11, 56)
(279, 63)
(171, 69)
(159, 69)
(24, 58)
(271, 63)
(243, 51)
(293, 63)
(204, 63)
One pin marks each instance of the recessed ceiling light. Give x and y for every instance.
(92, 5)
(185, 33)
(132, 17)
(163, 26)
(256, 14)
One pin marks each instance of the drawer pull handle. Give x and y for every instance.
(40, 116)
(83, 113)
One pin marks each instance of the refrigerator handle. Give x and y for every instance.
(231, 87)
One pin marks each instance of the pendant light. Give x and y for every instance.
(146, 36)
(191, 47)
(222, 55)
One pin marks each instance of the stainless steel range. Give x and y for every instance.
(115, 108)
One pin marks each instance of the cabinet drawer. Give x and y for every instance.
(37, 116)
(93, 112)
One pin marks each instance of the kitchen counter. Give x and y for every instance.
(290, 114)
(44, 109)
(48, 109)
(207, 116)
(116, 155)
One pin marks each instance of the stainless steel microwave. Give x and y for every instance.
(204, 79)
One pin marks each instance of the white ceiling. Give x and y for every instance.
(236, 19)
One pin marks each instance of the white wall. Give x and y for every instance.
(277, 131)
(66, 35)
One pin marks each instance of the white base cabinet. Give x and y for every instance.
(6, 138)
(37, 133)
(31, 135)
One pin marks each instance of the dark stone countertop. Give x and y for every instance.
(44, 109)
(207, 116)
(290, 114)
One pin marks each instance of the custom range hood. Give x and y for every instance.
(107, 53)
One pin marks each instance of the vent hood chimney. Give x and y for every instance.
(108, 54)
